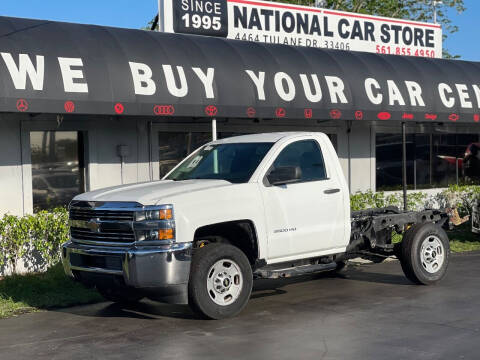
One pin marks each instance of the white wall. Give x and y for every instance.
(356, 150)
(11, 194)
(104, 136)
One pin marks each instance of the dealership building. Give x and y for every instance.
(84, 107)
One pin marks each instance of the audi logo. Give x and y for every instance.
(164, 110)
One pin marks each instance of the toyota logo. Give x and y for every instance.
(251, 112)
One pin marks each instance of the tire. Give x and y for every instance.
(424, 254)
(120, 295)
(220, 281)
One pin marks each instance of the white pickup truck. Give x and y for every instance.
(257, 206)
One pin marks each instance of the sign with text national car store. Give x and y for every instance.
(279, 23)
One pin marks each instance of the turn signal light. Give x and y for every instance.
(166, 214)
(165, 234)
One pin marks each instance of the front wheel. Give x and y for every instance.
(424, 253)
(220, 281)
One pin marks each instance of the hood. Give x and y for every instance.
(150, 193)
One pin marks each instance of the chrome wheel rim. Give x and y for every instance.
(224, 282)
(432, 254)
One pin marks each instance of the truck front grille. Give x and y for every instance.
(88, 214)
(107, 224)
(112, 236)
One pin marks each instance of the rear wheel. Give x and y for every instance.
(424, 254)
(220, 281)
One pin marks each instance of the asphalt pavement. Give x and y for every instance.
(371, 312)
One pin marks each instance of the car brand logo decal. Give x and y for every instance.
(335, 114)
(69, 106)
(358, 115)
(22, 105)
(164, 110)
(384, 115)
(211, 110)
(280, 113)
(251, 112)
(119, 108)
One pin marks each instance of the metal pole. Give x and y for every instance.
(404, 165)
(457, 173)
(434, 4)
(215, 152)
(214, 129)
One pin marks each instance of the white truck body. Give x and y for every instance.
(264, 206)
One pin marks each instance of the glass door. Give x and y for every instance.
(57, 167)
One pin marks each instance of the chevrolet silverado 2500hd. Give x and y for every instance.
(256, 206)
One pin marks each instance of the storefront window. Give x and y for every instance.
(57, 163)
(433, 160)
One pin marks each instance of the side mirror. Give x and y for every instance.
(283, 175)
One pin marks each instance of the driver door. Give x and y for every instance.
(304, 218)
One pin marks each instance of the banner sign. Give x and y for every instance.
(60, 68)
(278, 23)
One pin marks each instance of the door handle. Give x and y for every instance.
(331, 191)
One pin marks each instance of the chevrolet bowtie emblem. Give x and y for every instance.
(94, 225)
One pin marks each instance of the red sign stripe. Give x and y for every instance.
(274, 5)
(327, 12)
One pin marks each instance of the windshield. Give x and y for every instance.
(231, 162)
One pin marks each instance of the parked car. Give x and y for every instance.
(258, 206)
(56, 189)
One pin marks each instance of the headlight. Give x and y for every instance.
(164, 212)
(155, 223)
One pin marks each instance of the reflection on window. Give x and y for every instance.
(433, 160)
(56, 164)
(307, 156)
(176, 146)
(231, 162)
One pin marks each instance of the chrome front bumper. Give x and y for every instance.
(161, 269)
